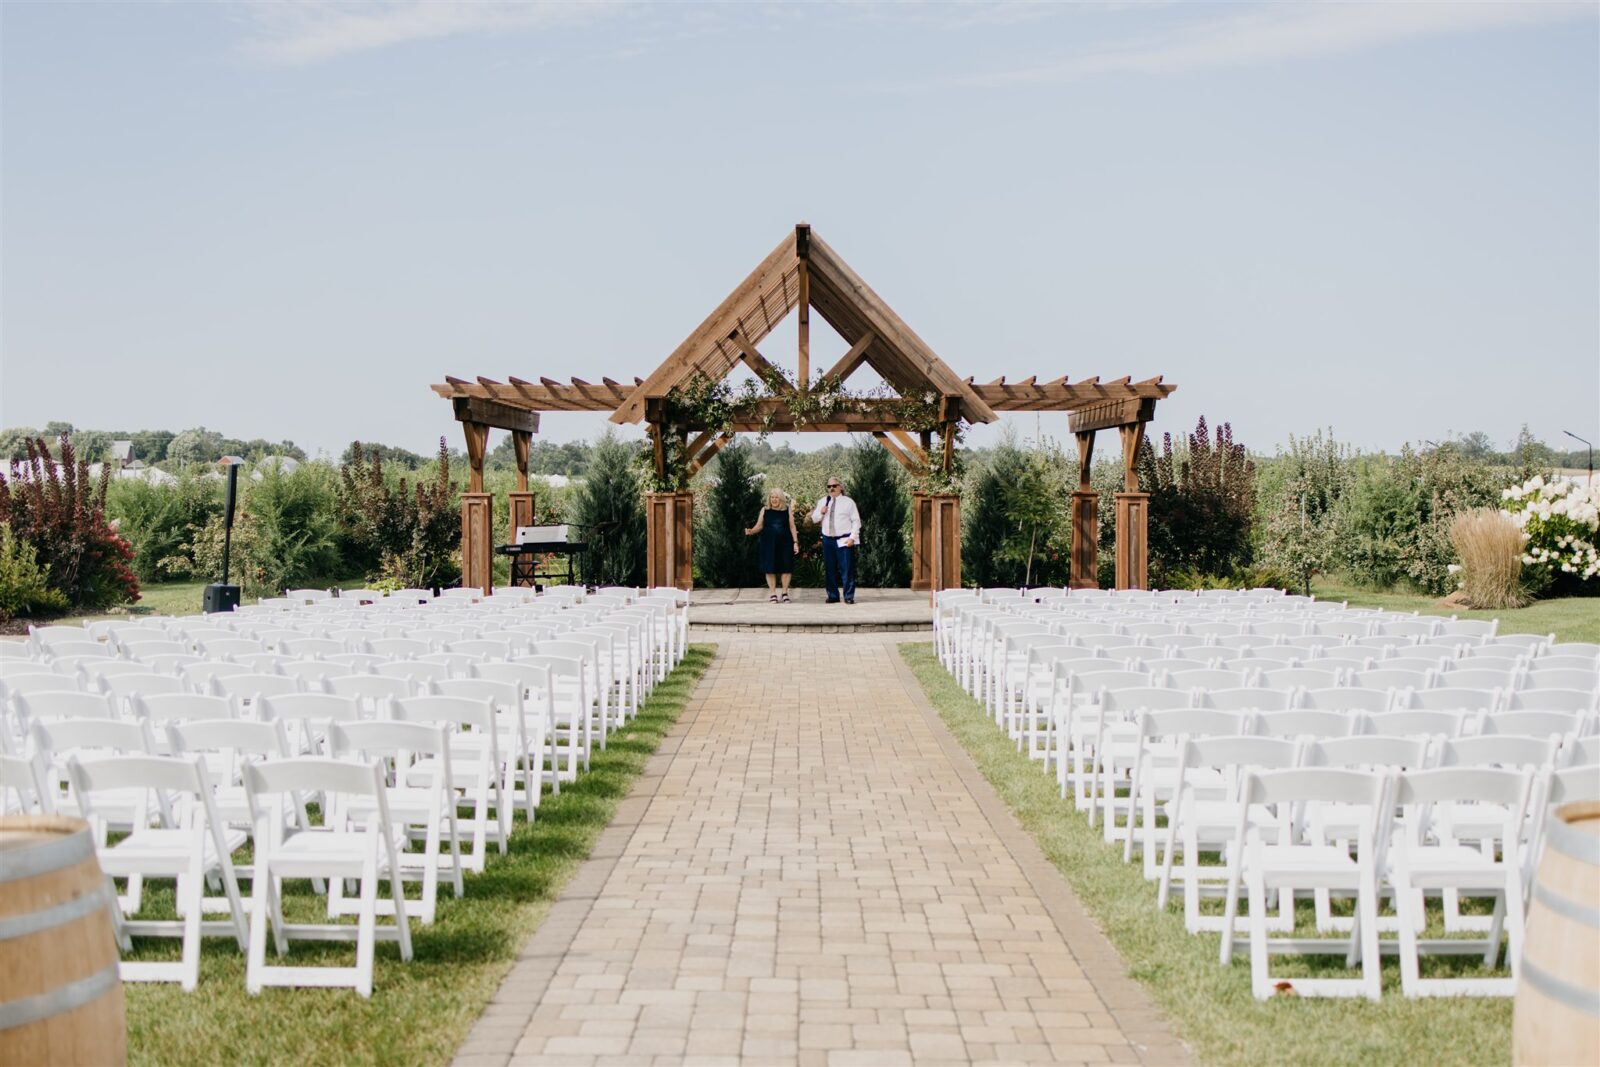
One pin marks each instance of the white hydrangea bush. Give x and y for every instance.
(1560, 522)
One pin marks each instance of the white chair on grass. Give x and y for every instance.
(561, 714)
(1417, 866)
(473, 762)
(523, 737)
(1291, 862)
(1154, 779)
(22, 786)
(305, 716)
(193, 849)
(344, 846)
(426, 812)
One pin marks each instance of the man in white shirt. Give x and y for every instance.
(840, 520)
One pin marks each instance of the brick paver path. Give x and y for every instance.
(813, 872)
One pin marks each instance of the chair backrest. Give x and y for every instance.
(1499, 750)
(1134, 699)
(1301, 678)
(143, 646)
(457, 710)
(504, 695)
(1194, 722)
(1368, 750)
(1307, 722)
(218, 648)
(1506, 788)
(1584, 681)
(1247, 698)
(1100, 681)
(64, 705)
(24, 779)
(1327, 785)
(1476, 701)
(128, 685)
(1237, 752)
(372, 688)
(314, 671)
(1552, 700)
(1534, 723)
(388, 739)
(413, 669)
(236, 735)
(158, 708)
(1411, 722)
(313, 774)
(1378, 678)
(254, 686)
(57, 738)
(1208, 678)
(309, 707)
(1569, 785)
(197, 676)
(1347, 698)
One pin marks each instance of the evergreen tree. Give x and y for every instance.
(724, 556)
(883, 561)
(609, 510)
(989, 529)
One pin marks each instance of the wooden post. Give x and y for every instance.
(669, 540)
(935, 541)
(1133, 513)
(477, 552)
(477, 438)
(1085, 570)
(522, 442)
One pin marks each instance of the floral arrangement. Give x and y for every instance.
(1559, 522)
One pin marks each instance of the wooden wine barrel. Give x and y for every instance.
(1557, 1019)
(60, 997)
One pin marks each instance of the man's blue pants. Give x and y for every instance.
(838, 568)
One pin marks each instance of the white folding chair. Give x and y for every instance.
(1417, 865)
(426, 811)
(1292, 861)
(194, 848)
(1154, 778)
(345, 846)
(305, 716)
(474, 764)
(522, 740)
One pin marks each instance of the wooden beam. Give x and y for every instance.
(852, 359)
(710, 450)
(904, 460)
(494, 413)
(756, 361)
(659, 450)
(1110, 413)
(803, 327)
(949, 447)
(697, 444)
(910, 445)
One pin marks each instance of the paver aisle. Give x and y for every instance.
(819, 877)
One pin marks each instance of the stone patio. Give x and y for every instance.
(720, 611)
(812, 871)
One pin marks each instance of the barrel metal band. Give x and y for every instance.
(1587, 914)
(58, 1001)
(1570, 841)
(70, 911)
(1562, 992)
(50, 856)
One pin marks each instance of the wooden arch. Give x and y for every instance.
(801, 274)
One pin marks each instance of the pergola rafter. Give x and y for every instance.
(803, 273)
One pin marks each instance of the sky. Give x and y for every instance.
(287, 220)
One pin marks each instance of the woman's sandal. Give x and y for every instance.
(786, 598)
(773, 598)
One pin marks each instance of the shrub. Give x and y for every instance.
(988, 528)
(1202, 504)
(723, 555)
(1300, 501)
(160, 522)
(411, 533)
(24, 583)
(56, 509)
(609, 508)
(1560, 520)
(285, 533)
(1489, 545)
(882, 561)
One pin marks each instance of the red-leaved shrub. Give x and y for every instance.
(56, 508)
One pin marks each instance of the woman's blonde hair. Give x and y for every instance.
(781, 495)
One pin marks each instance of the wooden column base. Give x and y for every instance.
(1133, 546)
(477, 541)
(669, 524)
(935, 541)
(521, 513)
(1085, 540)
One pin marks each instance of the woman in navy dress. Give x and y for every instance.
(780, 540)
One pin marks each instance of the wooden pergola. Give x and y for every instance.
(801, 274)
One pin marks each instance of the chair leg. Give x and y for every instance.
(1367, 920)
(1260, 968)
(1409, 923)
(367, 924)
(256, 958)
(192, 890)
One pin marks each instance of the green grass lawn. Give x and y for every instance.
(421, 1010)
(1570, 618)
(1209, 1005)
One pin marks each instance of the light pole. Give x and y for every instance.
(1575, 437)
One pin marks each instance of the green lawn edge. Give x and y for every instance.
(1209, 1006)
(419, 1011)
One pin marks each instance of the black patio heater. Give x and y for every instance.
(220, 596)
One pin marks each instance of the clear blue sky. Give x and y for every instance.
(286, 220)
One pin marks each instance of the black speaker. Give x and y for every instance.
(219, 597)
